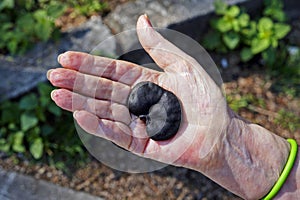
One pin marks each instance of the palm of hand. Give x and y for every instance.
(101, 87)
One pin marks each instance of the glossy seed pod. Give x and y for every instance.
(159, 108)
(143, 96)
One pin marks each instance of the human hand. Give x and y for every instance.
(96, 89)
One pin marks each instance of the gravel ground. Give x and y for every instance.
(97, 179)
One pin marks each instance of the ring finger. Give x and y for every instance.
(103, 109)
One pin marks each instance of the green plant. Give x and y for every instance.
(288, 120)
(286, 75)
(35, 127)
(23, 23)
(237, 101)
(274, 10)
(234, 29)
(87, 7)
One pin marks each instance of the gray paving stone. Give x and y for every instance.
(14, 186)
(20, 74)
(161, 12)
(186, 16)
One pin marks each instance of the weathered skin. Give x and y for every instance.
(160, 108)
(242, 157)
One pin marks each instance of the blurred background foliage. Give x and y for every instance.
(259, 40)
(25, 22)
(34, 127)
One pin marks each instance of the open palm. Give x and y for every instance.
(96, 90)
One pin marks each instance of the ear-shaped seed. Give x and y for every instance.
(160, 108)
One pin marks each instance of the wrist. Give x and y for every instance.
(256, 156)
(290, 189)
(250, 159)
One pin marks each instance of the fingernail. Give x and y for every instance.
(75, 114)
(148, 20)
(146, 16)
(60, 57)
(53, 94)
(48, 73)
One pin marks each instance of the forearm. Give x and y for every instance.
(248, 161)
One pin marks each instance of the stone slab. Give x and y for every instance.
(162, 13)
(22, 73)
(186, 16)
(15, 186)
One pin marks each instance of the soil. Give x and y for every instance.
(171, 182)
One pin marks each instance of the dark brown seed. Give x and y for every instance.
(159, 108)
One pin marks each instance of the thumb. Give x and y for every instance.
(165, 54)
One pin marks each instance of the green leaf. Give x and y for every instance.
(274, 42)
(12, 46)
(4, 145)
(212, 40)
(3, 131)
(265, 24)
(269, 56)
(56, 10)
(10, 113)
(259, 45)
(46, 130)
(6, 26)
(54, 109)
(275, 13)
(32, 134)
(24, 25)
(231, 40)
(7, 4)
(45, 89)
(17, 145)
(233, 11)
(220, 7)
(44, 92)
(281, 30)
(246, 54)
(43, 26)
(40, 114)
(28, 120)
(29, 102)
(250, 31)
(235, 25)
(244, 20)
(12, 126)
(60, 165)
(36, 148)
(236, 104)
(223, 25)
(29, 4)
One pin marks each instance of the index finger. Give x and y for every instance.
(116, 70)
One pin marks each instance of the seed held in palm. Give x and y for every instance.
(159, 108)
